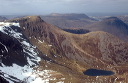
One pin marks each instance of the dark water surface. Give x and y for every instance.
(96, 72)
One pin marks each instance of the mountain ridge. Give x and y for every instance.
(72, 54)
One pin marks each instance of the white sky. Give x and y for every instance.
(62, 6)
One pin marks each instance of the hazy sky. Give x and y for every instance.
(62, 6)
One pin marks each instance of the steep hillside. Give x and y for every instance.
(111, 25)
(68, 20)
(19, 59)
(72, 54)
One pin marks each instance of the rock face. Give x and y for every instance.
(10, 47)
(111, 25)
(71, 54)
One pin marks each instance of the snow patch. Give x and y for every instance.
(4, 47)
(49, 45)
(55, 56)
(39, 41)
(26, 74)
(23, 27)
(60, 82)
(25, 43)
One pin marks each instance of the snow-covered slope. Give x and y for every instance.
(17, 72)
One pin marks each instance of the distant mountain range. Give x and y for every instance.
(68, 20)
(33, 51)
(2, 18)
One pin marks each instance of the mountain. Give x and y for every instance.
(71, 16)
(64, 56)
(2, 18)
(124, 18)
(68, 20)
(73, 54)
(111, 25)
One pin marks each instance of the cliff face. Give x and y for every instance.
(72, 54)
